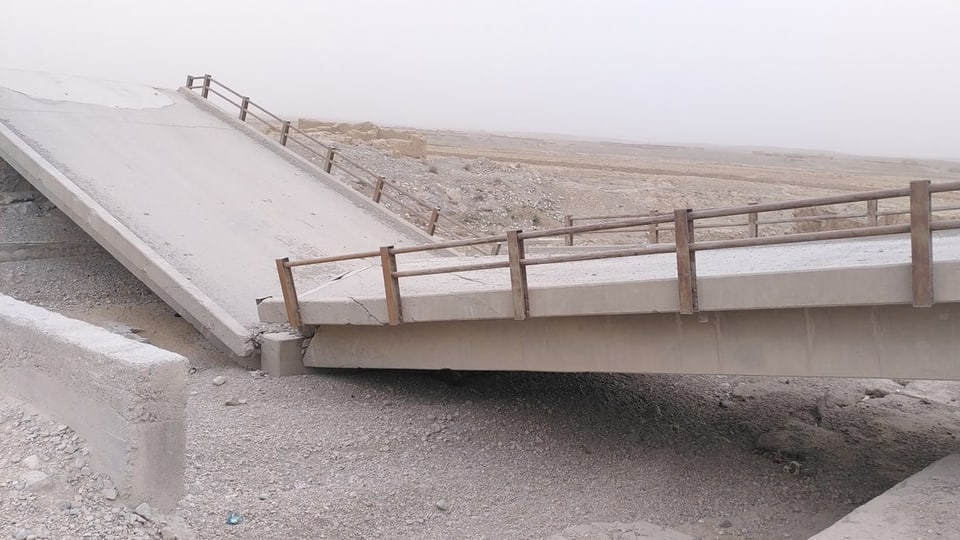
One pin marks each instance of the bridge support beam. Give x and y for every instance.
(880, 341)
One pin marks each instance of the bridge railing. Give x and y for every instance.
(746, 228)
(685, 246)
(420, 212)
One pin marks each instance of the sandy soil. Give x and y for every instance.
(516, 455)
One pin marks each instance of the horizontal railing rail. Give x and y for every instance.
(685, 246)
(420, 212)
(753, 220)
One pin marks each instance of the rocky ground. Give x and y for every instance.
(354, 454)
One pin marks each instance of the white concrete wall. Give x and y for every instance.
(126, 399)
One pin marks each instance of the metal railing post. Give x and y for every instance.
(872, 213)
(289, 290)
(921, 243)
(568, 222)
(189, 81)
(244, 105)
(654, 233)
(391, 285)
(432, 224)
(683, 230)
(205, 89)
(378, 189)
(752, 228)
(328, 161)
(518, 276)
(284, 132)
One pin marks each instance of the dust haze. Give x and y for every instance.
(862, 77)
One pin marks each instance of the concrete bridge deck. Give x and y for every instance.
(192, 202)
(864, 272)
(838, 308)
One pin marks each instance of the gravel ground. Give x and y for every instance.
(355, 454)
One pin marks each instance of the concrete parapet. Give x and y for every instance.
(127, 399)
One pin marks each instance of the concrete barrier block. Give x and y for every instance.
(127, 399)
(281, 354)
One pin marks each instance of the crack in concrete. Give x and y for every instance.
(469, 279)
(363, 307)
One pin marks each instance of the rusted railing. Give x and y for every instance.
(685, 246)
(750, 227)
(420, 212)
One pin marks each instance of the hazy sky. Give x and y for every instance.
(877, 77)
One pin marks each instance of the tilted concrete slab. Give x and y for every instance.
(127, 399)
(193, 203)
(868, 272)
(922, 507)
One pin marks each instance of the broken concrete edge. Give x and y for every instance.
(172, 287)
(314, 170)
(126, 399)
(922, 506)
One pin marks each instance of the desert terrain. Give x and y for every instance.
(492, 455)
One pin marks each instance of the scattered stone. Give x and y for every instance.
(109, 494)
(799, 439)
(31, 462)
(726, 524)
(263, 496)
(219, 380)
(442, 505)
(22, 534)
(144, 511)
(35, 480)
(233, 402)
(876, 393)
(166, 533)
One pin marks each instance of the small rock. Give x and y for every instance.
(167, 533)
(233, 402)
(144, 511)
(86, 471)
(876, 393)
(219, 381)
(35, 480)
(31, 462)
(263, 496)
(22, 534)
(109, 494)
(726, 524)
(442, 505)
